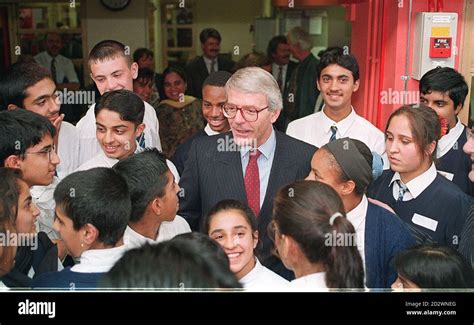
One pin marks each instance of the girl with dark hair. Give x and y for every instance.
(180, 115)
(346, 165)
(432, 266)
(233, 226)
(434, 208)
(314, 239)
(35, 253)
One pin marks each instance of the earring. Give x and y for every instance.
(82, 245)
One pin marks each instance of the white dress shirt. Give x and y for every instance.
(99, 260)
(42, 197)
(64, 66)
(315, 129)
(209, 131)
(276, 70)
(261, 278)
(447, 142)
(68, 149)
(168, 230)
(416, 186)
(89, 147)
(357, 217)
(101, 160)
(208, 63)
(310, 282)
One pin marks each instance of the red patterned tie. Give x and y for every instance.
(252, 182)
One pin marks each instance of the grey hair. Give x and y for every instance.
(298, 35)
(255, 80)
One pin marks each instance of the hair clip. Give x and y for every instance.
(334, 216)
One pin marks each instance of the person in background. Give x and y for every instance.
(180, 114)
(444, 90)
(203, 66)
(143, 86)
(213, 98)
(145, 59)
(466, 245)
(254, 59)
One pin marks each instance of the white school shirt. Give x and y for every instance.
(261, 278)
(311, 282)
(209, 131)
(357, 217)
(168, 230)
(447, 142)
(101, 160)
(315, 129)
(64, 66)
(89, 147)
(68, 150)
(42, 197)
(99, 260)
(416, 186)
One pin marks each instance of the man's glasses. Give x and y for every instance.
(249, 113)
(47, 151)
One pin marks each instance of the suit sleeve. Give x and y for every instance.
(190, 196)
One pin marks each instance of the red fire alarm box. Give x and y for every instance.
(440, 47)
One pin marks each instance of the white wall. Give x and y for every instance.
(128, 26)
(232, 19)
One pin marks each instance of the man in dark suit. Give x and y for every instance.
(250, 163)
(202, 66)
(278, 51)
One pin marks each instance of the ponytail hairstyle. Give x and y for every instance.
(312, 213)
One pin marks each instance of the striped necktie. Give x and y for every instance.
(333, 134)
(402, 189)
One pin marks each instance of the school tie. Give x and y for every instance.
(280, 77)
(53, 70)
(402, 189)
(252, 182)
(141, 141)
(333, 134)
(213, 66)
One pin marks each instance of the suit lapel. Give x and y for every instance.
(229, 168)
(281, 163)
(203, 69)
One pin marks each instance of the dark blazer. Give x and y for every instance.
(291, 67)
(181, 153)
(196, 73)
(212, 174)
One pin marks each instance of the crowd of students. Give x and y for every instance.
(333, 204)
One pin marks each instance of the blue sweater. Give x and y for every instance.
(386, 235)
(67, 279)
(441, 201)
(458, 163)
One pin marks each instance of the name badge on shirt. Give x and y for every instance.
(447, 175)
(425, 222)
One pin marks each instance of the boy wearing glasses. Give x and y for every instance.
(30, 86)
(444, 90)
(254, 164)
(26, 143)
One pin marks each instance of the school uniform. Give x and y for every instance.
(466, 245)
(433, 207)
(315, 129)
(42, 197)
(453, 162)
(311, 282)
(168, 230)
(89, 147)
(101, 160)
(94, 263)
(261, 278)
(68, 150)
